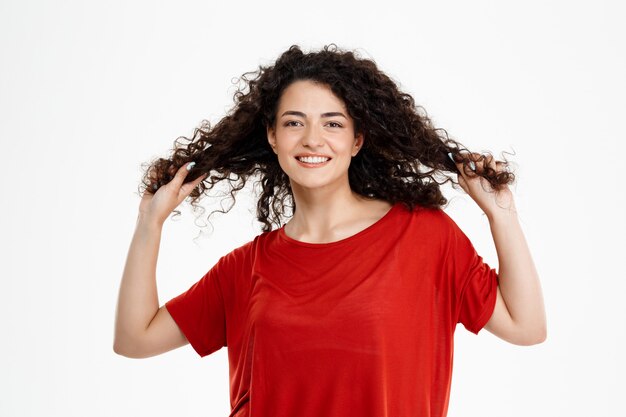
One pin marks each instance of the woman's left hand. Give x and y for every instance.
(490, 201)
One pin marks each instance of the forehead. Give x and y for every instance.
(308, 93)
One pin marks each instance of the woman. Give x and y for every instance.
(350, 307)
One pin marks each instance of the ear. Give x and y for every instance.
(271, 138)
(358, 144)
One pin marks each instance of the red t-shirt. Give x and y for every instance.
(361, 327)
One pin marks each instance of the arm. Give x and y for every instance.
(520, 289)
(519, 314)
(138, 300)
(142, 329)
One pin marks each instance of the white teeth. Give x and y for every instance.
(312, 159)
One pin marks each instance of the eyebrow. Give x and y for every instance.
(299, 113)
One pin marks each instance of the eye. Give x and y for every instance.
(291, 121)
(335, 123)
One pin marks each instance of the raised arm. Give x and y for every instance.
(519, 316)
(519, 290)
(142, 329)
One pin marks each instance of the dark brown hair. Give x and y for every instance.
(402, 156)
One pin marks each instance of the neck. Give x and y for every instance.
(321, 210)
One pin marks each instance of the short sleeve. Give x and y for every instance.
(199, 312)
(474, 282)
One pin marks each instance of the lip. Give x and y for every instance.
(309, 165)
(313, 154)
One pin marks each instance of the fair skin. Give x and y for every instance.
(519, 316)
(327, 211)
(142, 329)
(317, 121)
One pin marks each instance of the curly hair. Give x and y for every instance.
(401, 159)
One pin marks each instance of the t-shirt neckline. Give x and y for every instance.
(379, 223)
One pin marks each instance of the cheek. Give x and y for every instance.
(286, 140)
(344, 150)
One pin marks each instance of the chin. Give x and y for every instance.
(312, 183)
(309, 185)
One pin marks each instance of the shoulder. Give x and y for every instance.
(242, 251)
(244, 254)
(432, 227)
(431, 219)
(236, 259)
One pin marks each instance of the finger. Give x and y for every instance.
(484, 161)
(454, 159)
(463, 184)
(460, 165)
(152, 179)
(492, 163)
(186, 189)
(478, 162)
(502, 166)
(461, 177)
(181, 174)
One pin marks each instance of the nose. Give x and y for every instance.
(312, 136)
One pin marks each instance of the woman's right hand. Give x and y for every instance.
(156, 207)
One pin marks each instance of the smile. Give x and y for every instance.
(313, 162)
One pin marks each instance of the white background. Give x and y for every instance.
(89, 91)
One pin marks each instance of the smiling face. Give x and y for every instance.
(311, 120)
